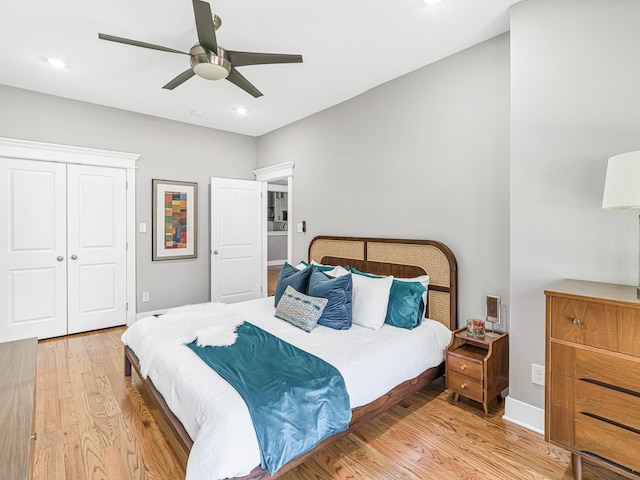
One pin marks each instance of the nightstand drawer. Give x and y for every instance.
(464, 366)
(599, 325)
(464, 385)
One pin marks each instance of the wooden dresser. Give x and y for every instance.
(17, 407)
(592, 393)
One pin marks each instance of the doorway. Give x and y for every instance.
(278, 220)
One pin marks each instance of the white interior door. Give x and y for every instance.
(97, 247)
(33, 249)
(237, 232)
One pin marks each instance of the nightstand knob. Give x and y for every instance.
(462, 367)
(576, 321)
(464, 385)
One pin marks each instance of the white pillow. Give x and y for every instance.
(424, 280)
(337, 272)
(370, 298)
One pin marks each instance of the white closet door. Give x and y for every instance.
(236, 240)
(33, 249)
(97, 282)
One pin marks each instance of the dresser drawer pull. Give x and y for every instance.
(34, 436)
(576, 321)
(464, 385)
(463, 367)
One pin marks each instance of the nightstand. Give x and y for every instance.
(477, 368)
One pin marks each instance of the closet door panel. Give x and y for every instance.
(33, 249)
(97, 247)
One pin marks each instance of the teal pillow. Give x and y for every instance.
(290, 275)
(406, 304)
(299, 309)
(338, 292)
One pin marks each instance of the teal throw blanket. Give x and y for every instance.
(295, 399)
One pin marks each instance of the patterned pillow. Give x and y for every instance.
(299, 309)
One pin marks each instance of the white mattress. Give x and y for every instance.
(372, 362)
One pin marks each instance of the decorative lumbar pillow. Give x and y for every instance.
(370, 299)
(289, 275)
(338, 292)
(299, 309)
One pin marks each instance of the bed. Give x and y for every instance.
(383, 257)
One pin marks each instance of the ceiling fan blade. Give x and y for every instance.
(135, 43)
(239, 59)
(238, 80)
(204, 25)
(179, 80)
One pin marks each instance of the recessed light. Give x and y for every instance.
(429, 3)
(197, 113)
(241, 110)
(55, 62)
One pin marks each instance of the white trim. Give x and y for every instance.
(52, 152)
(273, 263)
(523, 414)
(131, 247)
(274, 171)
(68, 154)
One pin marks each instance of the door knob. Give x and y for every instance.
(74, 257)
(59, 258)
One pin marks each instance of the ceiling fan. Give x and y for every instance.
(208, 59)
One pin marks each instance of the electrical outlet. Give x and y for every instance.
(145, 296)
(537, 374)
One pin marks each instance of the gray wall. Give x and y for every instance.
(425, 156)
(575, 98)
(170, 151)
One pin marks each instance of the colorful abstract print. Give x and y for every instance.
(175, 219)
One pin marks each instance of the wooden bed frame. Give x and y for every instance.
(400, 258)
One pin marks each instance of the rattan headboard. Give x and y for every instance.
(400, 258)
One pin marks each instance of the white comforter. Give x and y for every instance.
(372, 362)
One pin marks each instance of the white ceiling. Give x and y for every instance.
(348, 46)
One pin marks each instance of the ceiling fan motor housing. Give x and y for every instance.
(208, 65)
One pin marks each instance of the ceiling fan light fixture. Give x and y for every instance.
(207, 65)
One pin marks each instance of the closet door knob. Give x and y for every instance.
(74, 257)
(59, 258)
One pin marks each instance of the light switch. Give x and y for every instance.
(299, 227)
(142, 227)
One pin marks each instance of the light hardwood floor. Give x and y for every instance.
(272, 278)
(93, 423)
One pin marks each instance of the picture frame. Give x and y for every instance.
(174, 220)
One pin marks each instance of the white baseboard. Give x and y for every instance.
(273, 263)
(523, 414)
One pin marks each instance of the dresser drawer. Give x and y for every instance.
(596, 324)
(608, 404)
(467, 386)
(464, 366)
(618, 371)
(608, 441)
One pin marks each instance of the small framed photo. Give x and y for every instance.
(175, 217)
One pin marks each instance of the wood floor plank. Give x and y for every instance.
(94, 423)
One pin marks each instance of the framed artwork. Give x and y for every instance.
(175, 217)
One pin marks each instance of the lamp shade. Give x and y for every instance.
(622, 183)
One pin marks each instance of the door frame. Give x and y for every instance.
(268, 174)
(51, 152)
